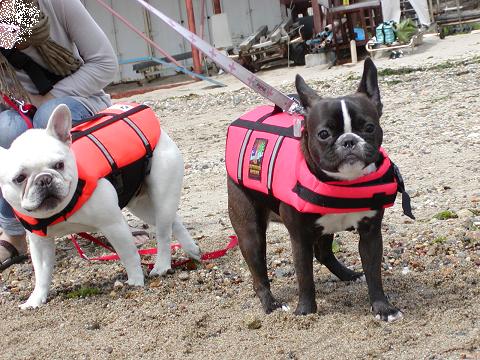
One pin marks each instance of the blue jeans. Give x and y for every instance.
(12, 126)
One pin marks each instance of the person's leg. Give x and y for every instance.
(78, 110)
(11, 126)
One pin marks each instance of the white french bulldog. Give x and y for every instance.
(38, 178)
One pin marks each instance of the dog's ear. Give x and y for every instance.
(308, 96)
(60, 124)
(369, 84)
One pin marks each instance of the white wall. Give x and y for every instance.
(244, 17)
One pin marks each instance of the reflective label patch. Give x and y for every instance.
(256, 159)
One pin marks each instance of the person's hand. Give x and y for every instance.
(39, 100)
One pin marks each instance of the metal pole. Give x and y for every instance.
(197, 65)
(217, 8)
(317, 21)
(202, 19)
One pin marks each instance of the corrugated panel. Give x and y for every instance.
(244, 17)
(126, 43)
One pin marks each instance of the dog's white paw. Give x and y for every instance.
(159, 270)
(33, 302)
(395, 317)
(194, 252)
(136, 281)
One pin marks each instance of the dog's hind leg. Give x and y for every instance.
(250, 224)
(164, 187)
(183, 236)
(119, 235)
(324, 254)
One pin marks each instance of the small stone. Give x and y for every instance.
(184, 276)
(118, 284)
(473, 236)
(109, 349)
(253, 323)
(464, 214)
(155, 283)
(282, 272)
(209, 266)
(93, 326)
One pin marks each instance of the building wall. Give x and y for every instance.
(244, 17)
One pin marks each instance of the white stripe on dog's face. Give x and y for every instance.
(347, 121)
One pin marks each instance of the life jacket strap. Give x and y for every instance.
(260, 126)
(375, 202)
(77, 134)
(406, 201)
(42, 224)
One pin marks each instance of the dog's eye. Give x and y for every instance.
(19, 179)
(323, 134)
(59, 165)
(369, 128)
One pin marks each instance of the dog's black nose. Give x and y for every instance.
(43, 180)
(349, 141)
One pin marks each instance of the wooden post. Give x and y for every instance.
(197, 66)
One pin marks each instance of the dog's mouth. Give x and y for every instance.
(351, 159)
(49, 202)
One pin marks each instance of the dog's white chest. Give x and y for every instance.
(333, 223)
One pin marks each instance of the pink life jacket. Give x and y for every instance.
(263, 154)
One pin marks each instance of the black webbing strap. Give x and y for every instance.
(93, 118)
(273, 129)
(146, 143)
(42, 78)
(78, 134)
(376, 202)
(42, 224)
(406, 201)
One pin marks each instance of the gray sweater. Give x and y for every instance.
(72, 27)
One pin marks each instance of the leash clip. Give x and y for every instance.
(21, 105)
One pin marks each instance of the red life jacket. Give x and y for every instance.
(115, 144)
(263, 154)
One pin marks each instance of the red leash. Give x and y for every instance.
(206, 256)
(26, 111)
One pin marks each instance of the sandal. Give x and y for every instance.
(15, 257)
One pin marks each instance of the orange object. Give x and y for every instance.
(114, 144)
(197, 65)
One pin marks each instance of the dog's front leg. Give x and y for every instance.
(42, 252)
(122, 240)
(303, 260)
(301, 237)
(371, 253)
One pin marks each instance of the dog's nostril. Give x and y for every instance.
(348, 144)
(44, 180)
